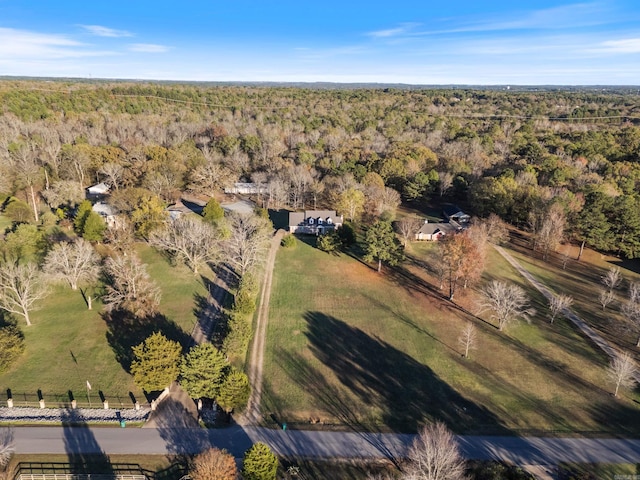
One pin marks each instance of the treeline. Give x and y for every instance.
(359, 151)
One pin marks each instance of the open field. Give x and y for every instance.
(352, 348)
(68, 345)
(582, 281)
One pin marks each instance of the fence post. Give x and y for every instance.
(42, 403)
(74, 404)
(106, 404)
(10, 402)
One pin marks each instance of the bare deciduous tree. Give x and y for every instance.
(72, 263)
(612, 278)
(496, 229)
(408, 227)
(129, 287)
(606, 297)
(435, 455)
(63, 192)
(21, 286)
(113, 174)
(300, 178)
(248, 242)
(468, 338)
(631, 312)
(190, 239)
(557, 303)
(28, 172)
(445, 182)
(6, 446)
(508, 302)
(121, 237)
(210, 177)
(634, 292)
(548, 228)
(621, 371)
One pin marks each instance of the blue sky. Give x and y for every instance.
(418, 42)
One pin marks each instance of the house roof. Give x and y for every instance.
(99, 188)
(453, 211)
(433, 228)
(104, 209)
(296, 218)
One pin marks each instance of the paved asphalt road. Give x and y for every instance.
(236, 439)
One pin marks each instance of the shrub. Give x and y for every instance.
(213, 212)
(214, 464)
(329, 242)
(249, 282)
(259, 463)
(244, 302)
(289, 241)
(11, 346)
(238, 335)
(234, 391)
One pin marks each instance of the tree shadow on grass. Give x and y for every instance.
(407, 392)
(333, 401)
(125, 331)
(621, 417)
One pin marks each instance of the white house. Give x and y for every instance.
(246, 188)
(98, 189)
(314, 222)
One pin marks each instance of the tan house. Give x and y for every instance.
(435, 231)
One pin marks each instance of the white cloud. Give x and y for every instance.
(25, 44)
(403, 29)
(148, 48)
(563, 17)
(627, 45)
(101, 31)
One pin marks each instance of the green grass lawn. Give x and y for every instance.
(68, 345)
(581, 280)
(349, 347)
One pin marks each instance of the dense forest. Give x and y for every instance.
(521, 155)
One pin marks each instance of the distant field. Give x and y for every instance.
(68, 345)
(353, 348)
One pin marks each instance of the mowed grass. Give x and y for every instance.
(67, 345)
(349, 347)
(582, 281)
